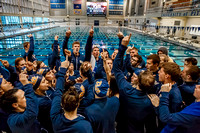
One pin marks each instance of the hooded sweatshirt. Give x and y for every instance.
(165, 51)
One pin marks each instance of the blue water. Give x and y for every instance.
(12, 48)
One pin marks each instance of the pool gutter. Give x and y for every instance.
(167, 40)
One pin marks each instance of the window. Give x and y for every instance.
(177, 22)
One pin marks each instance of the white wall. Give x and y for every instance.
(192, 21)
(170, 22)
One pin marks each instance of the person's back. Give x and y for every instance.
(53, 57)
(135, 106)
(78, 125)
(103, 111)
(67, 121)
(102, 114)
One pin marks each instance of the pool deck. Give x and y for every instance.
(170, 40)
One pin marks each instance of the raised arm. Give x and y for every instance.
(120, 36)
(88, 47)
(55, 53)
(117, 65)
(65, 43)
(56, 103)
(31, 48)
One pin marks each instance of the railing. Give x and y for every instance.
(184, 6)
(181, 6)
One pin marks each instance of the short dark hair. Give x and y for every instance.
(194, 72)
(139, 58)
(82, 68)
(191, 60)
(70, 99)
(25, 44)
(146, 82)
(7, 99)
(113, 86)
(172, 69)
(17, 60)
(38, 64)
(155, 58)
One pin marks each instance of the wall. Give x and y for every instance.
(170, 22)
(192, 21)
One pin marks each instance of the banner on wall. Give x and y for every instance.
(195, 12)
(57, 1)
(77, 7)
(77, 11)
(57, 4)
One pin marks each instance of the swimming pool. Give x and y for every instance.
(11, 48)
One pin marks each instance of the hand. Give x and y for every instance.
(68, 33)
(5, 63)
(23, 78)
(128, 50)
(120, 34)
(103, 55)
(125, 40)
(65, 64)
(87, 66)
(154, 99)
(68, 53)
(79, 80)
(91, 31)
(29, 66)
(30, 35)
(54, 70)
(166, 87)
(56, 37)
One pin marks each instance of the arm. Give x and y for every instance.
(117, 66)
(88, 49)
(56, 103)
(52, 58)
(172, 118)
(120, 41)
(65, 45)
(128, 64)
(31, 49)
(120, 36)
(55, 49)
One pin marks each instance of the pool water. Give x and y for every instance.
(11, 48)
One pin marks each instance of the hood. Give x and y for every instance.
(164, 50)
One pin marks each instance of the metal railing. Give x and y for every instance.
(168, 7)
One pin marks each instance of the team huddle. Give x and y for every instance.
(98, 92)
